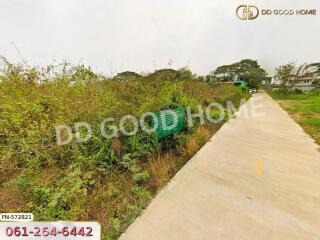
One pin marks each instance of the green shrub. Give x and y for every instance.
(141, 144)
(141, 177)
(113, 191)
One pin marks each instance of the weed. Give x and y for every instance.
(141, 177)
(110, 181)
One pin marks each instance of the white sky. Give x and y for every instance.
(142, 35)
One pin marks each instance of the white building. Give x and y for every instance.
(304, 82)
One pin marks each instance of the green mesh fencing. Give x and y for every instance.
(166, 122)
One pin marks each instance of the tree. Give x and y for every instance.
(290, 74)
(315, 68)
(127, 75)
(169, 74)
(247, 69)
(284, 74)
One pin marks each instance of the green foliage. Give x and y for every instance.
(26, 179)
(141, 177)
(247, 69)
(60, 199)
(127, 75)
(126, 162)
(285, 75)
(141, 198)
(141, 144)
(106, 159)
(58, 182)
(312, 122)
(113, 191)
(114, 229)
(293, 96)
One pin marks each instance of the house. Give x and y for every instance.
(304, 82)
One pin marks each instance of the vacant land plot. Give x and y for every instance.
(105, 180)
(304, 109)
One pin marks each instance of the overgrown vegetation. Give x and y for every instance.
(304, 109)
(106, 180)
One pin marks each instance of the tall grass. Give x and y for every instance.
(107, 180)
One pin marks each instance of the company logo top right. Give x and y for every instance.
(247, 12)
(251, 12)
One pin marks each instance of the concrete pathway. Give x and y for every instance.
(257, 178)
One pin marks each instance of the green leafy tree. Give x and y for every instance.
(127, 75)
(247, 69)
(285, 75)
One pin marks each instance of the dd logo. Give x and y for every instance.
(266, 12)
(247, 12)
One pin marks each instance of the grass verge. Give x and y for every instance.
(304, 109)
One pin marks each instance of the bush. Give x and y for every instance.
(58, 182)
(141, 177)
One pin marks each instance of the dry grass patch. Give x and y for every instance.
(160, 168)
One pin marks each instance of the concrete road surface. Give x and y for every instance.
(257, 178)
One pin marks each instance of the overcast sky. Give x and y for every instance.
(142, 35)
